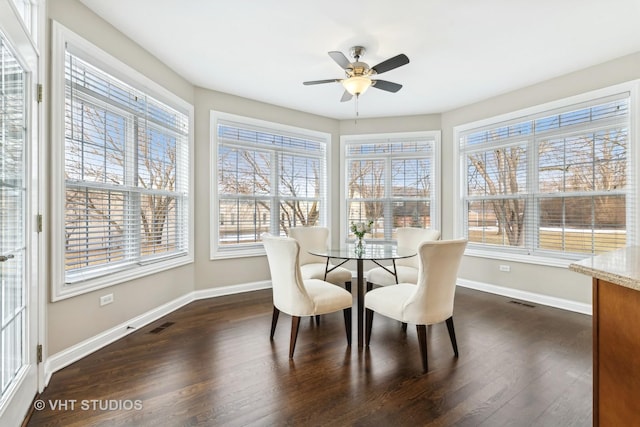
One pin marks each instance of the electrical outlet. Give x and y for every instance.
(106, 299)
(505, 268)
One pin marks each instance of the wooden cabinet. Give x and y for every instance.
(616, 354)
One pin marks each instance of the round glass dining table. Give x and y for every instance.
(374, 252)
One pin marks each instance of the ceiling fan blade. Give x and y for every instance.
(340, 59)
(385, 85)
(391, 63)
(346, 96)
(317, 82)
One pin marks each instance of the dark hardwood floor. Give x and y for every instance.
(211, 363)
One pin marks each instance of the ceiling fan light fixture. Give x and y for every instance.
(356, 85)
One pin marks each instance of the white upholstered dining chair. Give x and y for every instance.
(406, 268)
(313, 266)
(429, 301)
(300, 297)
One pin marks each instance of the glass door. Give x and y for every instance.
(18, 256)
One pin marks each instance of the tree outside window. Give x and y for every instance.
(268, 180)
(126, 173)
(555, 183)
(391, 181)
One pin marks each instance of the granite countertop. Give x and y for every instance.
(621, 267)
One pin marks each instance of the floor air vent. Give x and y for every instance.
(522, 303)
(161, 328)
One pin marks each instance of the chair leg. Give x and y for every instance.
(368, 325)
(347, 323)
(347, 286)
(295, 323)
(404, 327)
(452, 335)
(422, 339)
(274, 321)
(317, 320)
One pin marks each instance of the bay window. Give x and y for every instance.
(392, 180)
(556, 183)
(266, 178)
(124, 160)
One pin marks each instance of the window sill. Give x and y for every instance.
(523, 258)
(65, 291)
(237, 253)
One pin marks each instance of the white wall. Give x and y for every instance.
(74, 320)
(226, 272)
(417, 123)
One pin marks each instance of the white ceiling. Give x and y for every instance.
(461, 51)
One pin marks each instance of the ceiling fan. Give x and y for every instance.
(358, 74)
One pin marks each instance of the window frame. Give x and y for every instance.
(435, 209)
(29, 11)
(218, 251)
(61, 36)
(542, 257)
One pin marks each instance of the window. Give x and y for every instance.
(28, 11)
(557, 183)
(391, 180)
(266, 178)
(13, 229)
(126, 198)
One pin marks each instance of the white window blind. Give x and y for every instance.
(558, 183)
(392, 180)
(126, 174)
(269, 178)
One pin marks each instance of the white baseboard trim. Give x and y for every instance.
(76, 352)
(561, 303)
